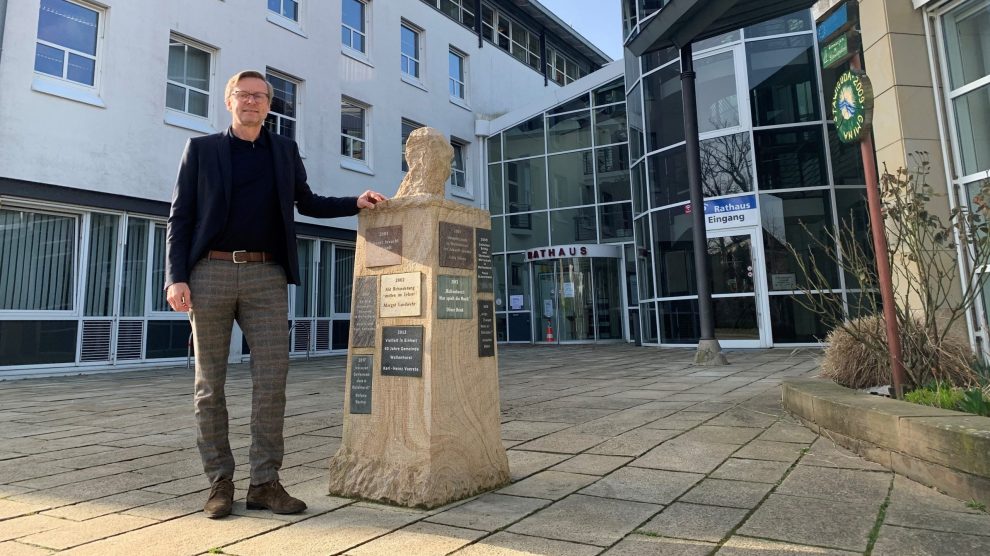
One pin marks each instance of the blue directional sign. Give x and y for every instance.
(838, 22)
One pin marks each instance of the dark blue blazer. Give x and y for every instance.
(201, 201)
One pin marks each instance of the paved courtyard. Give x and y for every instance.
(613, 450)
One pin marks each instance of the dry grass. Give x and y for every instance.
(857, 356)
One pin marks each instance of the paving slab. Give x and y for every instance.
(820, 522)
(826, 453)
(569, 520)
(564, 442)
(510, 544)
(774, 451)
(186, 535)
(419, 539)
(686, 455)
(899, 541)
(528, 430)
(643, 485)
(939, 520)
(732, 494)
(695, 521)
(489, 512)
(643, 545)
(721, 434)
(592, 464)
(75, 533)
(745, 546)
(852, 485)
(551, 485)
(762, 471)
(634, 443)
(524, 463)
(111, 504)
(28, 525)
(12, 548)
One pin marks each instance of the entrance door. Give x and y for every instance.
(579, 299)
(737, 288)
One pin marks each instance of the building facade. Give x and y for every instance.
(579, 263)
(100, 97)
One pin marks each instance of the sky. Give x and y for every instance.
(600, 21)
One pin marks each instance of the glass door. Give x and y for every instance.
(578, 300)
(737, 288)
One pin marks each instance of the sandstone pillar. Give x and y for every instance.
(421, 410)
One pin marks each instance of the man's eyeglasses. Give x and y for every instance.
(243, 96)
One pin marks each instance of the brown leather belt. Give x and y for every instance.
(240, 256)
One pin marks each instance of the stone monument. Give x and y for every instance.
(421, 409)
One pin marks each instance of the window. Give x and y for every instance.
(455, 62)
(561, 69)
(353, 129)
(285, 8)
(38, 251)
(68, 35)
(967, 55)
(282, 114)
(458, 171)
(353, 33)
(408, 126)
(410, 51)
(188, 85)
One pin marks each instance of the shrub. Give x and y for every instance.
(855, 358)
(938, 394)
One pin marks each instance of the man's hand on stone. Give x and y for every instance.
(178, 297)
(369, 199)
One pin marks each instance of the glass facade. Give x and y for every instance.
(765, 139)
(562, 178)
(86, 288)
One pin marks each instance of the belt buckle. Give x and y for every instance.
(233, 256)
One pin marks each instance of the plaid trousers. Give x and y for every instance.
(255, 295)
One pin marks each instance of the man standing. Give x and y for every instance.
(231, 251)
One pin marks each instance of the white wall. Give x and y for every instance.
(126, 148)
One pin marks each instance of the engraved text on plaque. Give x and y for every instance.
(456, 246)
(361, 366)
(453, 297)
(400, 295)
(384, 246)
(364, 312)
(402, 350)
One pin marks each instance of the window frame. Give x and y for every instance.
(349, 48)
(190, 43)
(298, 84)
(347, 160)
(451, 80)
(408, 60)
(101, 16)
(463, 190)
(281, 12)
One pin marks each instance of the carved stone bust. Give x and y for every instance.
(428, 154)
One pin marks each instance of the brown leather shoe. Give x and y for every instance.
(273, 496)
(220, 500)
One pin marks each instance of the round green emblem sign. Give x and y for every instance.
(852, 106)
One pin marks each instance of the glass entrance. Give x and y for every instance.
(577, 300)
(737, 288)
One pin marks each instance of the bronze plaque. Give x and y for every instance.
(456, 246)
(402, 351)
(483, 250)
(486, 328)
(453, 297)
(361, 366)
(383, 246)
(364, 312)
(400, 295)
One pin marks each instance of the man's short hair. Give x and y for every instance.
(233, 81)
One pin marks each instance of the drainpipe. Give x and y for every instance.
(478, 25)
